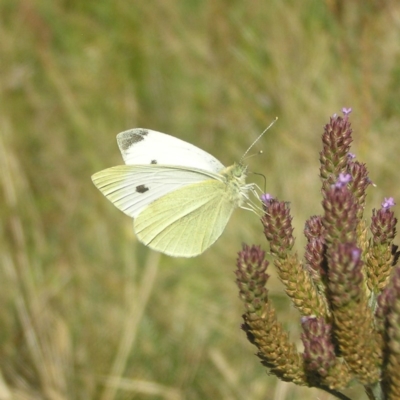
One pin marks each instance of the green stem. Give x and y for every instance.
(334, 393)
(374, 392)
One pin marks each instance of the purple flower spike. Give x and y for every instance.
(319, 352)
(343, 180)
(346, 111)
(388, 202)
(336, 140)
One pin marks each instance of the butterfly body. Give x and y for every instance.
(180, 197)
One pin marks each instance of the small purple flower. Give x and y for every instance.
(346, 111)
(388, 202)
(266, 198)
(356, 254)
(342, 180)
(351, 156)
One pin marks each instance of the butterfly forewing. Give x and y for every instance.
(175, 224)
(144, 146)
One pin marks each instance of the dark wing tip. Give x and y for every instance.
(127, 139)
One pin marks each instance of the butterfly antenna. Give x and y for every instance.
(265, 180)
(259, 137)
(252, 155)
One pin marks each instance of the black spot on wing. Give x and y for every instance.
(129, 138)
(154, 162)
(142, 189)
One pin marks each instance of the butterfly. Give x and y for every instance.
(180, 197)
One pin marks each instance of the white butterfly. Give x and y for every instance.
(180, 197)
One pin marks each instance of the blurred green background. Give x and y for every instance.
(87, 312)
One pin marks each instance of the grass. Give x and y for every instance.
(87, 312)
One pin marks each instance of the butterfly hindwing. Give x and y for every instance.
(186, 222)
